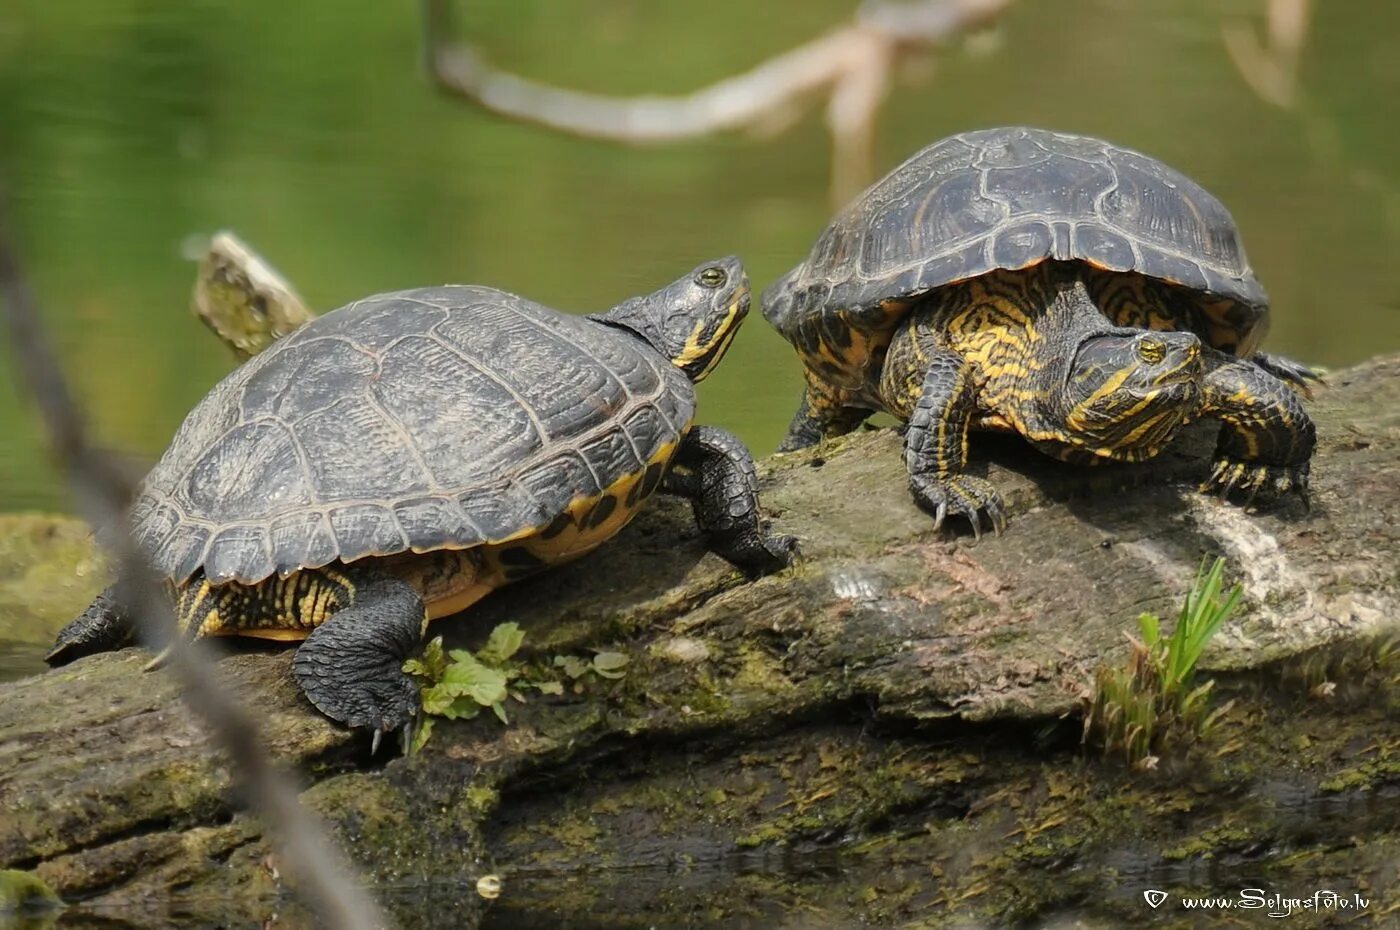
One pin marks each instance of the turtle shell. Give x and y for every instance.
(1008, 199)
(439, 418)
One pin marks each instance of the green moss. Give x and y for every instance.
(577, 834)
(1364, 776)
(25, 892)
(1206, 845)
(482, 799)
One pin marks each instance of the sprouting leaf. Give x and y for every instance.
(430, 664)
(462, 708)
(421, 732)
(610, 664)
(466, 677)
(502, 644)
(573, 666)
(436, 700)
(1153, 699)
(548, 687)
(1148, 625)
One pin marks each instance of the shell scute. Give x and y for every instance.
(1007, 199)
(436, 418)
(237, 552)
(365, 529)
(301, 539)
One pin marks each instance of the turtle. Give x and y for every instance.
(1081, 294)
(395, 460)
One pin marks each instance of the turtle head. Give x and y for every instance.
(1127, 391)
(692, 320)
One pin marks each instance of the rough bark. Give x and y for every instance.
(885, 731)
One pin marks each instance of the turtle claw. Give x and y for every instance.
(960, 495)
(783, 549)
(1295, 375)
(1253, 493)
(374, 742)
(1254, 479)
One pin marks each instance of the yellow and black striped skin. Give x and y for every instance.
(1090, 366)
(1007, 330)
(1140, 302)
(1082, 294)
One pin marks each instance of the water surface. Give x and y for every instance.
(130, 129)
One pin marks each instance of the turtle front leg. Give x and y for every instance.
(819, 415)
(716, 471)
(351, 666)
(107, 624)
(935, 445)
(1267, 438)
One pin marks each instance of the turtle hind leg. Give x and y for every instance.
(350, 667)
(1267, 438)
(819, 415)
(105, 625)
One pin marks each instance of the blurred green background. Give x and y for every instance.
(129, 129)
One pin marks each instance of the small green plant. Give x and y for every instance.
(603, 664)
(458, 684)
(1139, 709)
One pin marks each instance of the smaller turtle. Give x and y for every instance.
(1083, 295)
(397, 459)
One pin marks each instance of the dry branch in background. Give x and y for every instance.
(850, 67)
(1270, 66)
(103, 492)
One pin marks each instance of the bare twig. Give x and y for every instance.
(851, 66)
(103, 493)
(1270, 66)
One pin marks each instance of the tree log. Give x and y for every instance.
(887, 731)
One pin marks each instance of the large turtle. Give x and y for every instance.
(397, 459)
(1084, 295)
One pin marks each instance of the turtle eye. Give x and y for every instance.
(1151, 351)
(711, 277)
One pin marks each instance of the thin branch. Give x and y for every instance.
(726, 105)
(103, 493)
(851, 65)
(1270, 66)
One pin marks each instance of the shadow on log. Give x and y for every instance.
(885, 732)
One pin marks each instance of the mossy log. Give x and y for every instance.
(887, 731)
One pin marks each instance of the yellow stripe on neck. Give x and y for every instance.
(694, 350)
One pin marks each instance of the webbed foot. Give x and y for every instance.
(773, 552)
(960, 495)
(351, 666)
(1231, 476)
(715, 470)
